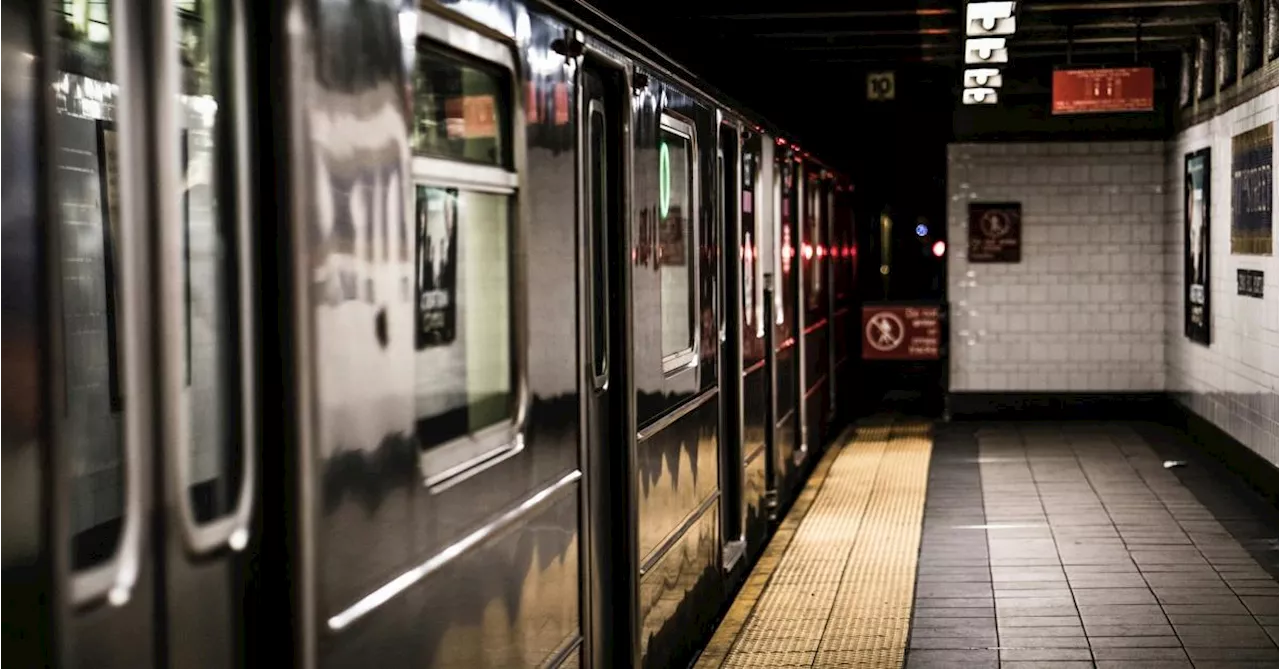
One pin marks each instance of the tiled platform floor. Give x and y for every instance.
(1071, 545)
(840, 595)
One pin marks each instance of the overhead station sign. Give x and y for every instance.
(1096, 91)
(988, 27)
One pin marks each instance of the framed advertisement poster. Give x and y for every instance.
(1251, 191)
(109, 201)
(1198, 314)
(437, 266)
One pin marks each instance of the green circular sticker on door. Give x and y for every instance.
(664, 179)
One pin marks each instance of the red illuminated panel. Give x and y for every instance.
(471, 116)
(1128, 89)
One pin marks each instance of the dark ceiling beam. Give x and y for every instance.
(831, 34)
(1059, 51)
(843, 14)
(875, 46)
(1128, 33)
(888, 62)
(1147, 26)
(1115, 5)
(1117, 24)
(1015, 45)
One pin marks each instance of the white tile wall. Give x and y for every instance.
(1232, 382)
(1085, 309)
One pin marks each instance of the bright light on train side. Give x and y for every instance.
(939, 248)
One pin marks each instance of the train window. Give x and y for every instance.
(86, 196)
(677, 215)
(749, 260)
(598, 199)
(211, 349)
(787, 247)
(815, 244)
(464, 372)
(87, 201)
(467, 396)
(460, 108)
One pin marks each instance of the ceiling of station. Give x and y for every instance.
(803, 63)
(825, 33)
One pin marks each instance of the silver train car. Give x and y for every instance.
(370, 333)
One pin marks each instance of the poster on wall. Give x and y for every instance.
(1251, 191)
(437, 267)
(109, 198)
(1196, 254)
(995, 232)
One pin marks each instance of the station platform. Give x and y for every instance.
(1064, 545)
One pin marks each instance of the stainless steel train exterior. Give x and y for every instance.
(370, 333)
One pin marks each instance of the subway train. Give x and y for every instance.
(365, 333)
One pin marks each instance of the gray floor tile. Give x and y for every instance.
(1045, 642)
(1045, 654)
(1110, 596)
(975, 612)
(1147, 654)
(1166, 641)
(1038, 621)
(953, 643)
(947, 659)
(1143, 664)
(1087, 534)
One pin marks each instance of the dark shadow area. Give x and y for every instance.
(1238, 506)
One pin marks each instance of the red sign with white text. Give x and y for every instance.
(1126, 89)
(901, 332)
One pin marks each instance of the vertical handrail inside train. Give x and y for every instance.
(232, 529)
(116, 578)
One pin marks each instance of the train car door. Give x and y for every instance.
(732, 252)
(140, 260)
(611, 595)
(206, 389)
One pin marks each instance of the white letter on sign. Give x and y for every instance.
(979, 96)
(983, 78)
(986, 19)
(986, 50)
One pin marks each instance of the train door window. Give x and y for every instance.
(787, 250)
(748, 252)
(677, 217)
(598, 227)
(752, 281)
(86, 166)
(210, 323)
(467, 390)
(814, 243)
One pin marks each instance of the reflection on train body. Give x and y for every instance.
(474, 334)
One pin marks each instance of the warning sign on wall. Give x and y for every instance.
(901, 332)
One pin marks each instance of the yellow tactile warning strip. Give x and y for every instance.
(836, 589)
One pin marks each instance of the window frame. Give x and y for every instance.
(685, 358)
(597, 166)
(757, 264)
(448, 463)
